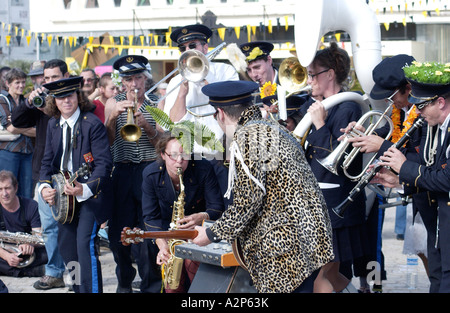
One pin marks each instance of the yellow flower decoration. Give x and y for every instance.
(447, 65)
(256, 52)
(415, 72)
(268, 89)
(438, 73)
(427, 64)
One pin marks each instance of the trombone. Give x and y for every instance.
(192, 65)
(332, 160)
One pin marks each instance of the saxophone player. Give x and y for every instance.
(18, 214)
(161, 188)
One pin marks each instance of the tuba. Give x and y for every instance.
(354, 17)
(172, 270)
(11, 241)
(130, 131)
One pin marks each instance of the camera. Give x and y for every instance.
(39, 101)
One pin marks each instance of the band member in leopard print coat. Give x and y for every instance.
(278, 213)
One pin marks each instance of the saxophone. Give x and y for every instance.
(172, 270)
(11, 241)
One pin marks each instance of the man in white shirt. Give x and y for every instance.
(188, 93)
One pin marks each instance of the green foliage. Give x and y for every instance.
(187, 132)
(428, 72)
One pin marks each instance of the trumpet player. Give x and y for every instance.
(130, 158)
(392, 86)
(195, 37)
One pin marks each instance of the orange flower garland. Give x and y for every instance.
(397, 133)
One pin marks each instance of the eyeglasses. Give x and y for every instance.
(422, 105)
(311, 76)
(89, 80)
(191, 46)
(174, 156)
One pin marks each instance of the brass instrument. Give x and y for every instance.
(293, 77)
(172, 270)
(130, 131)
(370, 174)
(332, 160)
(11, 241)
(193, 66)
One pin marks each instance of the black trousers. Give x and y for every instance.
(77, 245)
(127, 212)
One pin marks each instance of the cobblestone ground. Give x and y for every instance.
(395, 263)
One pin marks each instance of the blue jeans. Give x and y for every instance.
(20, 165)
(55, 265)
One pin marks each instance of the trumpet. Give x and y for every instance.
(370, 174)
(192, 65)
(130, 131)
(332, 160)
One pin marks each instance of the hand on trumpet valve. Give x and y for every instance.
(271, 109)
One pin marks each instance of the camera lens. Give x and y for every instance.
(39, 101)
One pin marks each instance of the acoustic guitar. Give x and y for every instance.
(136, 235)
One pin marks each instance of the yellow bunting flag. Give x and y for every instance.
(338, 36)
(386, 25)
(156, 40)
(28, 39)
(49, 40)
(237, 30)
(221, 32)
(286, 23)
(269, 27)
(8, 39)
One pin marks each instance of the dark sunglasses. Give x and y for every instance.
(421, 105)
(191, 46)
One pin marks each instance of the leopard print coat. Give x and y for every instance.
(278, 213)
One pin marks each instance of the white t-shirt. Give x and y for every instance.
(217, 72)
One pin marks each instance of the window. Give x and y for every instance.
(67, 4)
(143, 3)
(117, 3)
(169, 2)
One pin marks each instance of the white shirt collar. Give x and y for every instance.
(444, 127)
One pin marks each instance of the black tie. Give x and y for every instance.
(67, 148)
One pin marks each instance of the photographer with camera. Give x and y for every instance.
(33, 113)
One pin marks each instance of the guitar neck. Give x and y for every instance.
(170, 234)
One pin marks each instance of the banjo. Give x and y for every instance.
(63, 210)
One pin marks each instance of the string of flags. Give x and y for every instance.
(11, 32)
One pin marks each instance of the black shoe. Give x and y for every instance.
(124, 290)
(49, 282)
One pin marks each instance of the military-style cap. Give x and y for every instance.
(256, 50)
(131, 65)
(36, 68)
(388, 76)
(191, 32)
(64, 87)
(429, 80)
(230, 92)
